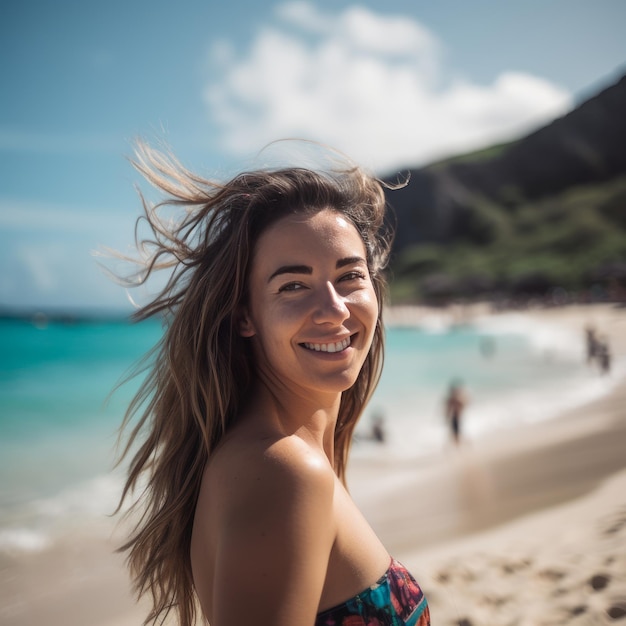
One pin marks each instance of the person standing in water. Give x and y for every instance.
(456, 401)
(273, 345)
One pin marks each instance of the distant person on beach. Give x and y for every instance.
(377, 432)
(455, 403)
(272, 346)
(591, 342)
(603, 355)
(378, 428)
(598, 349)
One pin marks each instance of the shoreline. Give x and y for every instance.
(499, 478)
(458, 519)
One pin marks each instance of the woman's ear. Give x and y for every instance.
(246, 327)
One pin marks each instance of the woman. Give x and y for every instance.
(455, 405)
(273, 345)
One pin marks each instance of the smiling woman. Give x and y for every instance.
(313, 318)
(273, 346)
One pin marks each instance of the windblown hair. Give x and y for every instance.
(202, 369)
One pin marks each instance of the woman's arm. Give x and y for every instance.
(275, 537)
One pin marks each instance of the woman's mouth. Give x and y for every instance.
(337, 346)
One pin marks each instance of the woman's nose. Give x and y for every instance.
(330, 306)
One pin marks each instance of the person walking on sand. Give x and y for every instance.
(456, 401)
(272, 347)
(592, 344)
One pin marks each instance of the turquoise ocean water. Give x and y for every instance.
(58, 429)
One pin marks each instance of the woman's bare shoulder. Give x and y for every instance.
(249, 471)
(267, 504)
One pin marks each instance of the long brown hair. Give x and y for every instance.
(202, 369)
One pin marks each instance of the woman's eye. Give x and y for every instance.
(290, 287)
(355, 275)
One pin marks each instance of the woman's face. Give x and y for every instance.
(312, 310)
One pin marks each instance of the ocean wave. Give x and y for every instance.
(14, 540)
(96, 497)
(36, 525)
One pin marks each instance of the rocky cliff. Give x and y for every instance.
(588, 145)
(482, 200)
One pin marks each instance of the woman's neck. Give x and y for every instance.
(284, 412)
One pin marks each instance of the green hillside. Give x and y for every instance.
(573, 241)
(541, 217)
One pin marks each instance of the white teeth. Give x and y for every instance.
(329, 347)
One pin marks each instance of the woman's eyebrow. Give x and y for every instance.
(350, 260)
(307, 269)
(291, 269)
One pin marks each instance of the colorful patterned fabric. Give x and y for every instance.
(394, 600)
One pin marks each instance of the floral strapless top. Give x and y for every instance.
(395, 599)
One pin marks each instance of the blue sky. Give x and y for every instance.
(392, 84)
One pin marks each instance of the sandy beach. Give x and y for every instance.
(526, 526)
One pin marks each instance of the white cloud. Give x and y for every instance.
(371, 85)
(305, 16)
(360, 28)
